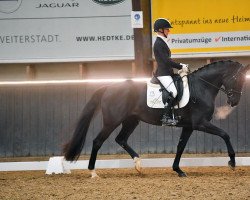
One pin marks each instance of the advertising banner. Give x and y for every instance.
(69, 30)
(206, 28)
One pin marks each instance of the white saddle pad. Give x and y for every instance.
(154, 96)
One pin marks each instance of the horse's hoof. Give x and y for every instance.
(138, 165)
(182, 174)
(179, 172)
(93, 174)
(231, 165)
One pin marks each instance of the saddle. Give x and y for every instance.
(177, 79)
(157, 95)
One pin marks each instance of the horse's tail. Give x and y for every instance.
(73, 148)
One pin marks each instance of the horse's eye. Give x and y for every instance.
(230, 94)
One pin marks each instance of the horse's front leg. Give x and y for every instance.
(210, 128)
(185, 135)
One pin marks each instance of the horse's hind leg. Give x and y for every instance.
(97, 143)
(128, 126)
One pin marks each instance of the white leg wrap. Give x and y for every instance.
(93, 174)
(137, 164)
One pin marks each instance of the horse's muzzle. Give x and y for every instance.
(232, 104)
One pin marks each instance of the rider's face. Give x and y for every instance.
(166, 31)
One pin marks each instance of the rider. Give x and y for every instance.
(165, 66)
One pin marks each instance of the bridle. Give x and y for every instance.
(229, 92)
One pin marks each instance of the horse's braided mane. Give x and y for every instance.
(214, 63)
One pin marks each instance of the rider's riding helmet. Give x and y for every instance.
(161, 24)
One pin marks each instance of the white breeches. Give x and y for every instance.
(168, 83)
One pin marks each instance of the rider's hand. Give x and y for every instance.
(185, 68)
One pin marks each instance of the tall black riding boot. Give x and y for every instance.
(167, 119)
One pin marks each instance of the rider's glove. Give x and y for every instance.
(185, 68)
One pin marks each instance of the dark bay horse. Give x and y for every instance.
(125, 103)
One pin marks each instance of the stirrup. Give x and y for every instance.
(167, 121)
(170, 122)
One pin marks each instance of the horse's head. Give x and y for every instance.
(234, 83)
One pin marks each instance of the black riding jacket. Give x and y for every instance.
(162, 54)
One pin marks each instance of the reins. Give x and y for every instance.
(230, 92)
(219, 88)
